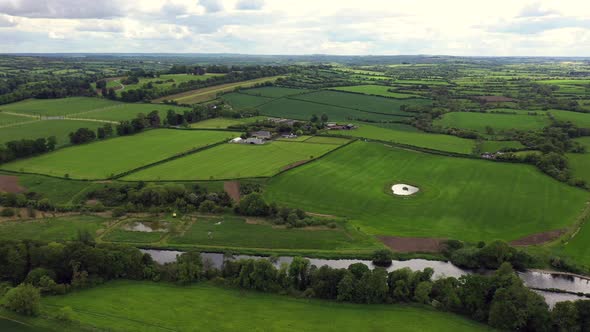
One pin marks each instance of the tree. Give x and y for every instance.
(100, 133)
(299, 273)
(153, 119)
(51, 143)
(376, 285)
(253, 205)
(324, 117)
(108, 129)
(565, 317)
(190, 267)
(24, 299)
(346, 288)
(422, 292)
(82, 135)
(112, 94)
(382, 257)
(314, 118)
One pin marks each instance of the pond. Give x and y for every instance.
(533, 279)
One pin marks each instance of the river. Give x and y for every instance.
(533, 279)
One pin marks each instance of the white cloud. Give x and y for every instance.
(455, 27)
(250, 4)
(211, 6)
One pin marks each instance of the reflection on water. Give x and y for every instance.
(537, 279)
(533, 279)
(147, 226)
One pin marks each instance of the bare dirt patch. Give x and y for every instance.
(295, 164)
(412, 244)
(495, 99)
(9, 184)
(538, 238)
(232, 188)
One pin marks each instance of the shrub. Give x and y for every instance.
(7, 212)
(65, 314)
(24, 300)
(382, 257)
(118, 212)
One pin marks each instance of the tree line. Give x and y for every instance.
(499, 299)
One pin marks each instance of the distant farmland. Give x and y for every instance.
(101, 160)
(209, 93)
(232, 161)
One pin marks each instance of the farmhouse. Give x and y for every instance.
(291, 135)
(335, 126)
(261, 134)
(253, 140)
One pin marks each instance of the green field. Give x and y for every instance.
(273, 92)
(233, 161)
(578, 248)
(303, 110)
(499, 122)
(459, 197)
(361, 102)
(148, 306)
(210, 93)
(494, 146)
(223, 123)
(43, 129)
(419, 139)
(240, 101)
(58, 191)
(577, 118)
(376, 90)
(121, 112)
(236, 232)
(58, 107)
(51, 229)
(10, 119)
(580, 162)
(101, 160)
(167, 81)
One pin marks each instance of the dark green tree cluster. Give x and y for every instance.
(254, 204)
(486, 256)
(156, 198)
(26, 147)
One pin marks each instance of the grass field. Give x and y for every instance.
(166, 81)
(419, 139)
(376, 90)
(43, 129)
(361, 102)
(58, 191)
(52, 229)
(579, 119)
(9, 119)
(240, 101)
(458, 198)
(209, 93)
(57, 107)
(578, 248)
(236, 232)
(303, 110)
(101, 160)
(580, 162)
(273, 92)
(141, 306)
(494, 146)
(499, 122)
(123, 111)
(223, 123)
(233, 161)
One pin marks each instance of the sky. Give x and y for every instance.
(339, 27)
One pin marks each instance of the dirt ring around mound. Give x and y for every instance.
(412, 244)
(232, 188)
(9, 184)
(538, 238)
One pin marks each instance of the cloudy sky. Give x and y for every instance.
(452, 27)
